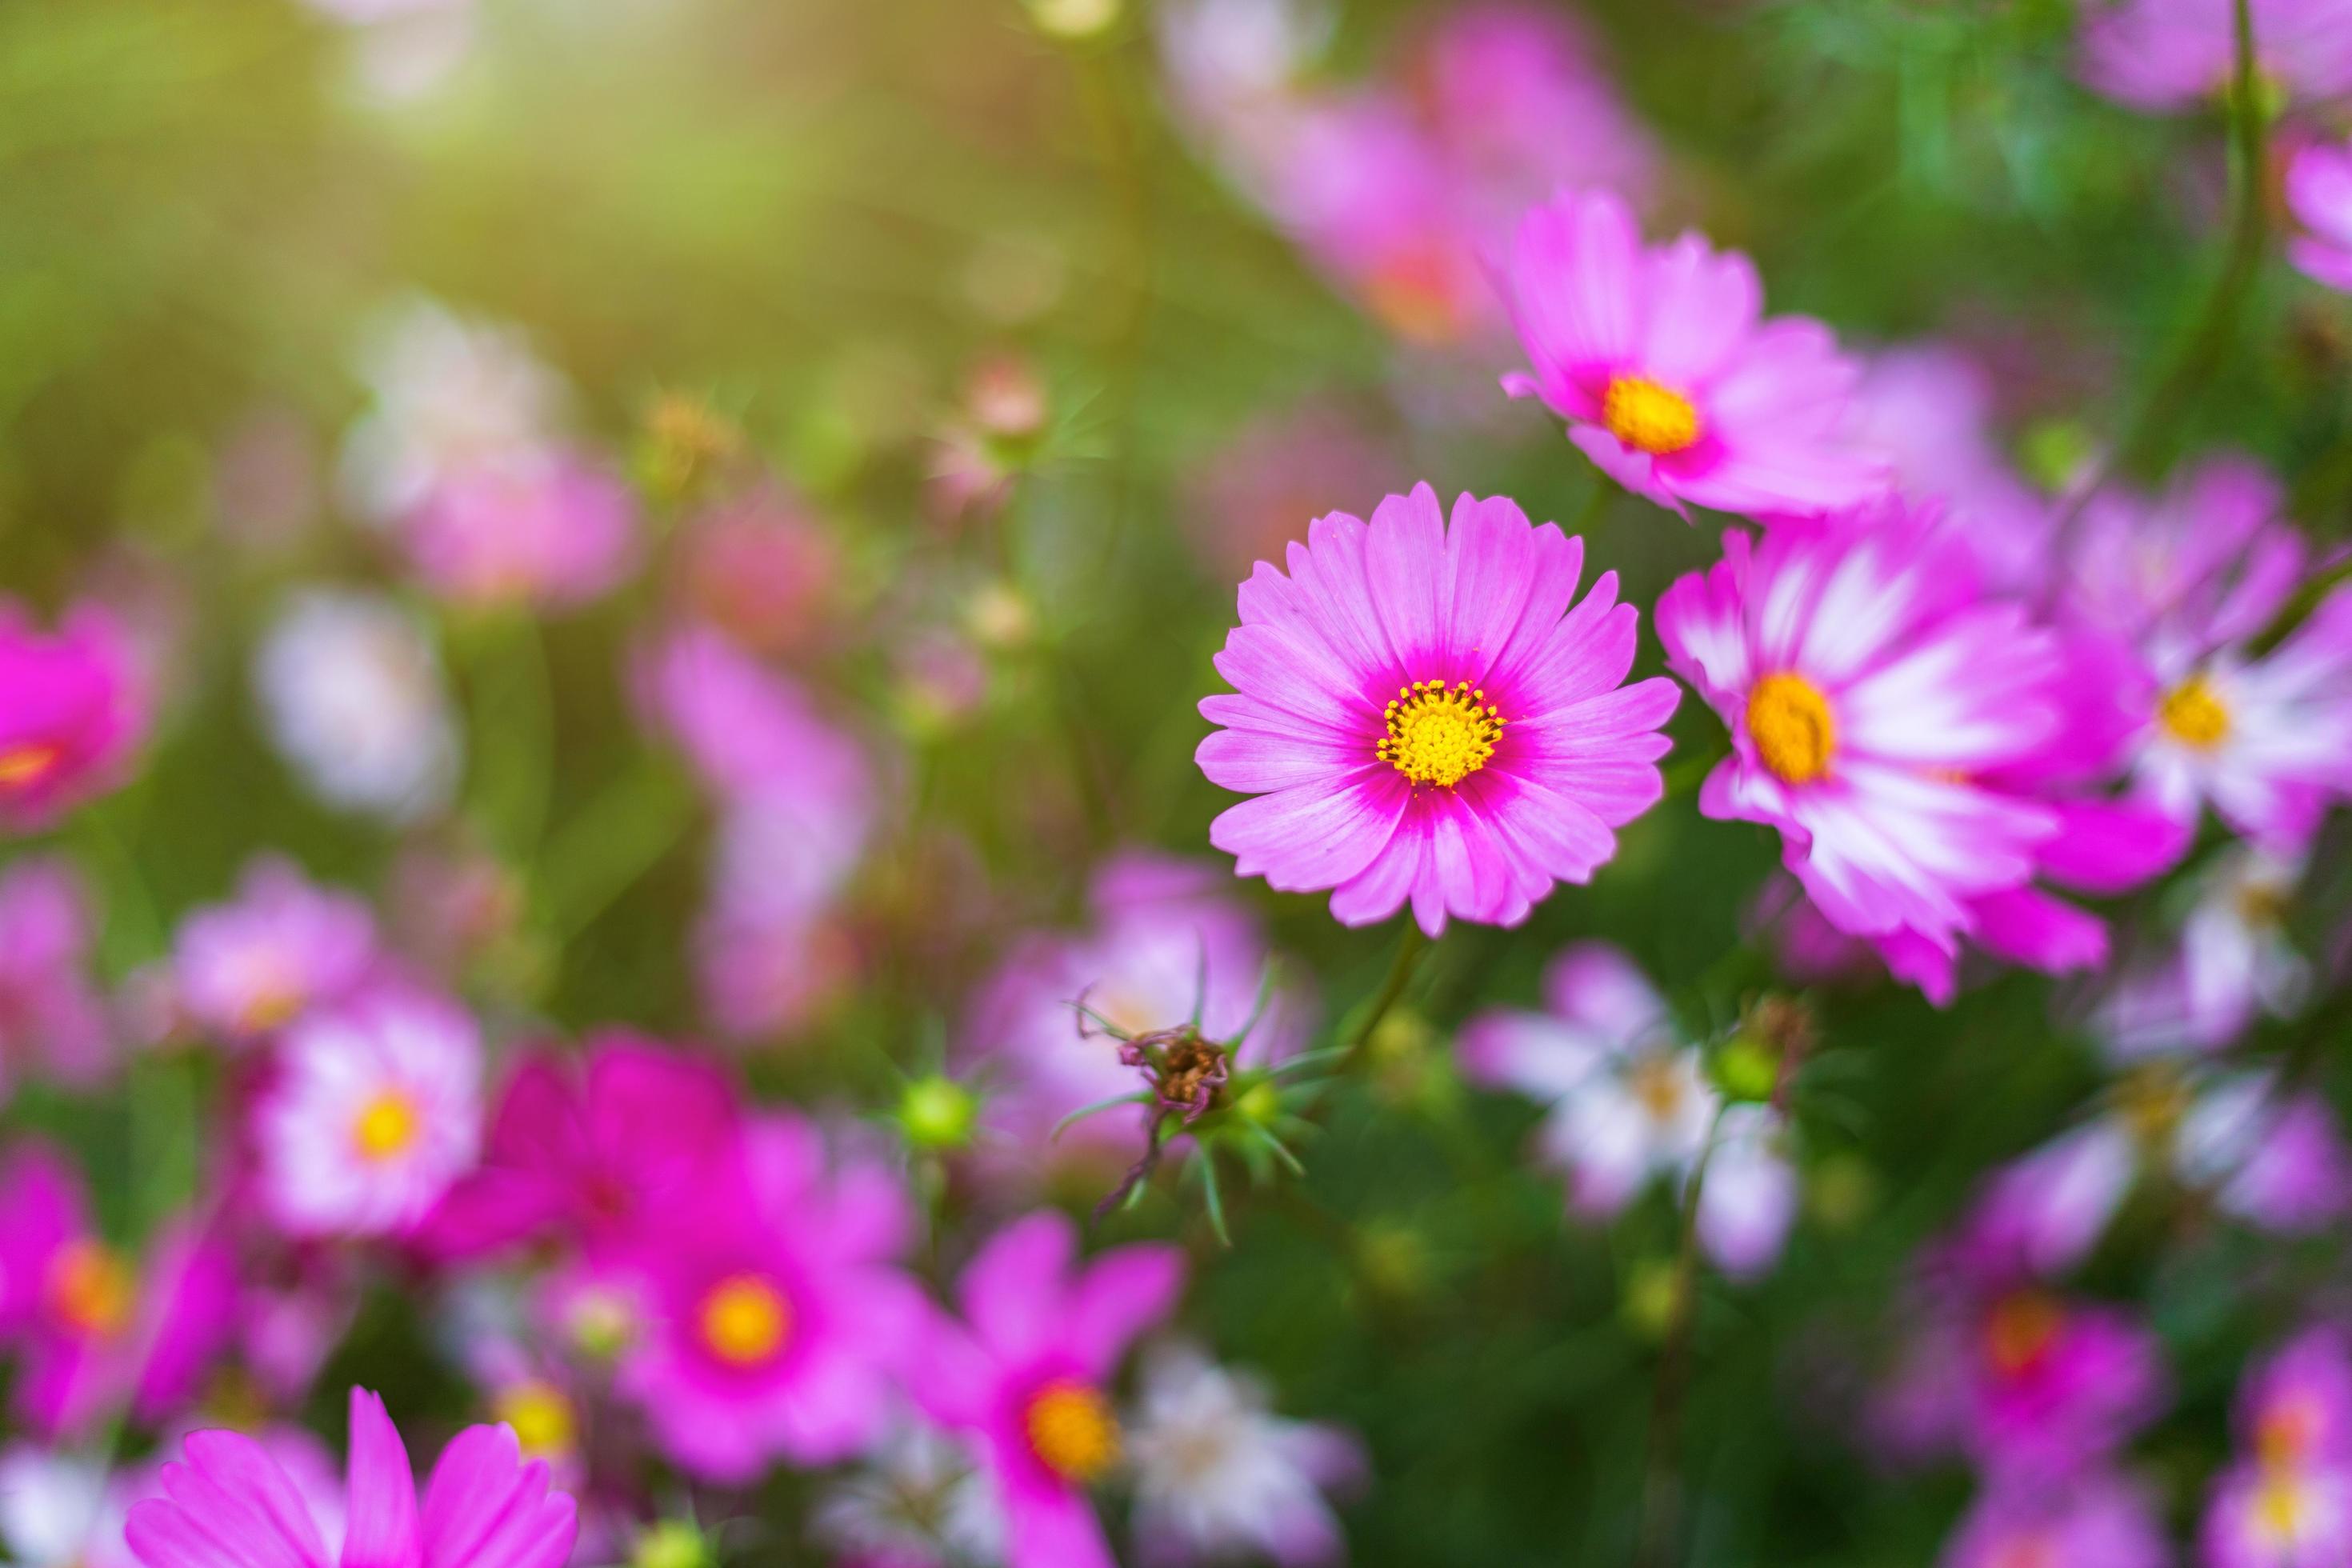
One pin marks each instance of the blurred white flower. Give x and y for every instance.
(916, 1500)
(57, 1510)
(448, 396)
(1217, 1474)
(352, 691)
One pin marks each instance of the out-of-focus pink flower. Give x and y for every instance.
(53, 1023)
(760, 569)
(1629, 1103)
(2033, 1385)
(99, 1332)
(1670, 380)
(2319, 193)
(763, 973)
(778, 1313)
(231, 1499)
(544, 528)
(2201, 567)
(283, 946)
(1260, 491)
(598, 1154)
(72, 707)
(1165, 945)
(2275, 1160)
(1218, 1475)
(1869, 691)
(1422, 716)
(376, 1110)
(2168, 54)
(2288, 1502)
(1927, 408)
(2233, 963)
(2093, 1521)
(1026, 1375)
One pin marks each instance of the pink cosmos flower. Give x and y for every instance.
(2201, 566)
(1868, 690)
(762, 570)
(2168, 54)
(1422, 716)
(763, 974)
(1255, 492)
(98, 1331)
(597, 1153)
(1026, 1375)
(72, 706)
(2288, 1503)
(2095, 1521)
(2319, 193)
(375, 1112)
(283, 946)
(1669, 378)
(230, 1501)
(52, 1020)
(1630, 1102)
(1165, 945)
(779, 1315)
(543, 527)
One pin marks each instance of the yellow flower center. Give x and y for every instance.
(92, 1289)
(2020, 1330)
(1438, 733)
(540, 1417)
(273, 994)
(1790, 721)
(745, 1320)
(387, 1126)
(2193, 716)
(1072, 1430)
(1659, 1086)
(2279, 1507)
(2153, 1100)
(22, 765)
(1649, 417)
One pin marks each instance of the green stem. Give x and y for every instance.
(1412, 948)
(2208, 338)
(1662, 1483)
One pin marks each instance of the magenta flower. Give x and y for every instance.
(538, 527)
(778, 1314)
(1165, 943)
(2288, 1503)
(2095, 1521)
(2164, 56)
(598, 1154)
(1868, 689)
(97, 1330)
(763, 570)
(1027, 1375)
(53, 1021)
(230, 1501)
(2319, 194)
(72, 706)
(376, 1110)
(1669, 378)
(283, 946)
(1422, 716)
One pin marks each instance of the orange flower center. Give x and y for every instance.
(27, 764)
(1649, 417)
(745, 1320)
(1794, 731)
(2020, 1331)
(1439, 734)
(1072, 1431)
(90, 1288)
(2192, 715)
(2289, 1429)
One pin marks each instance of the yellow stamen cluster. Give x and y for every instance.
(1648, 417)
(1072, 1431)
(1439, 734)
(90, 1288)
(540, 1417)
(745, 1320)
(2193, 715)
(1794, 731)
(22, 766)
(387, 1126)
(2280, 1506)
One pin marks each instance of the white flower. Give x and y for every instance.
(352, 691)
(917, 1498)
(449, 394)
(1216, 1474)
(377, 1110)
(55, 1511)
